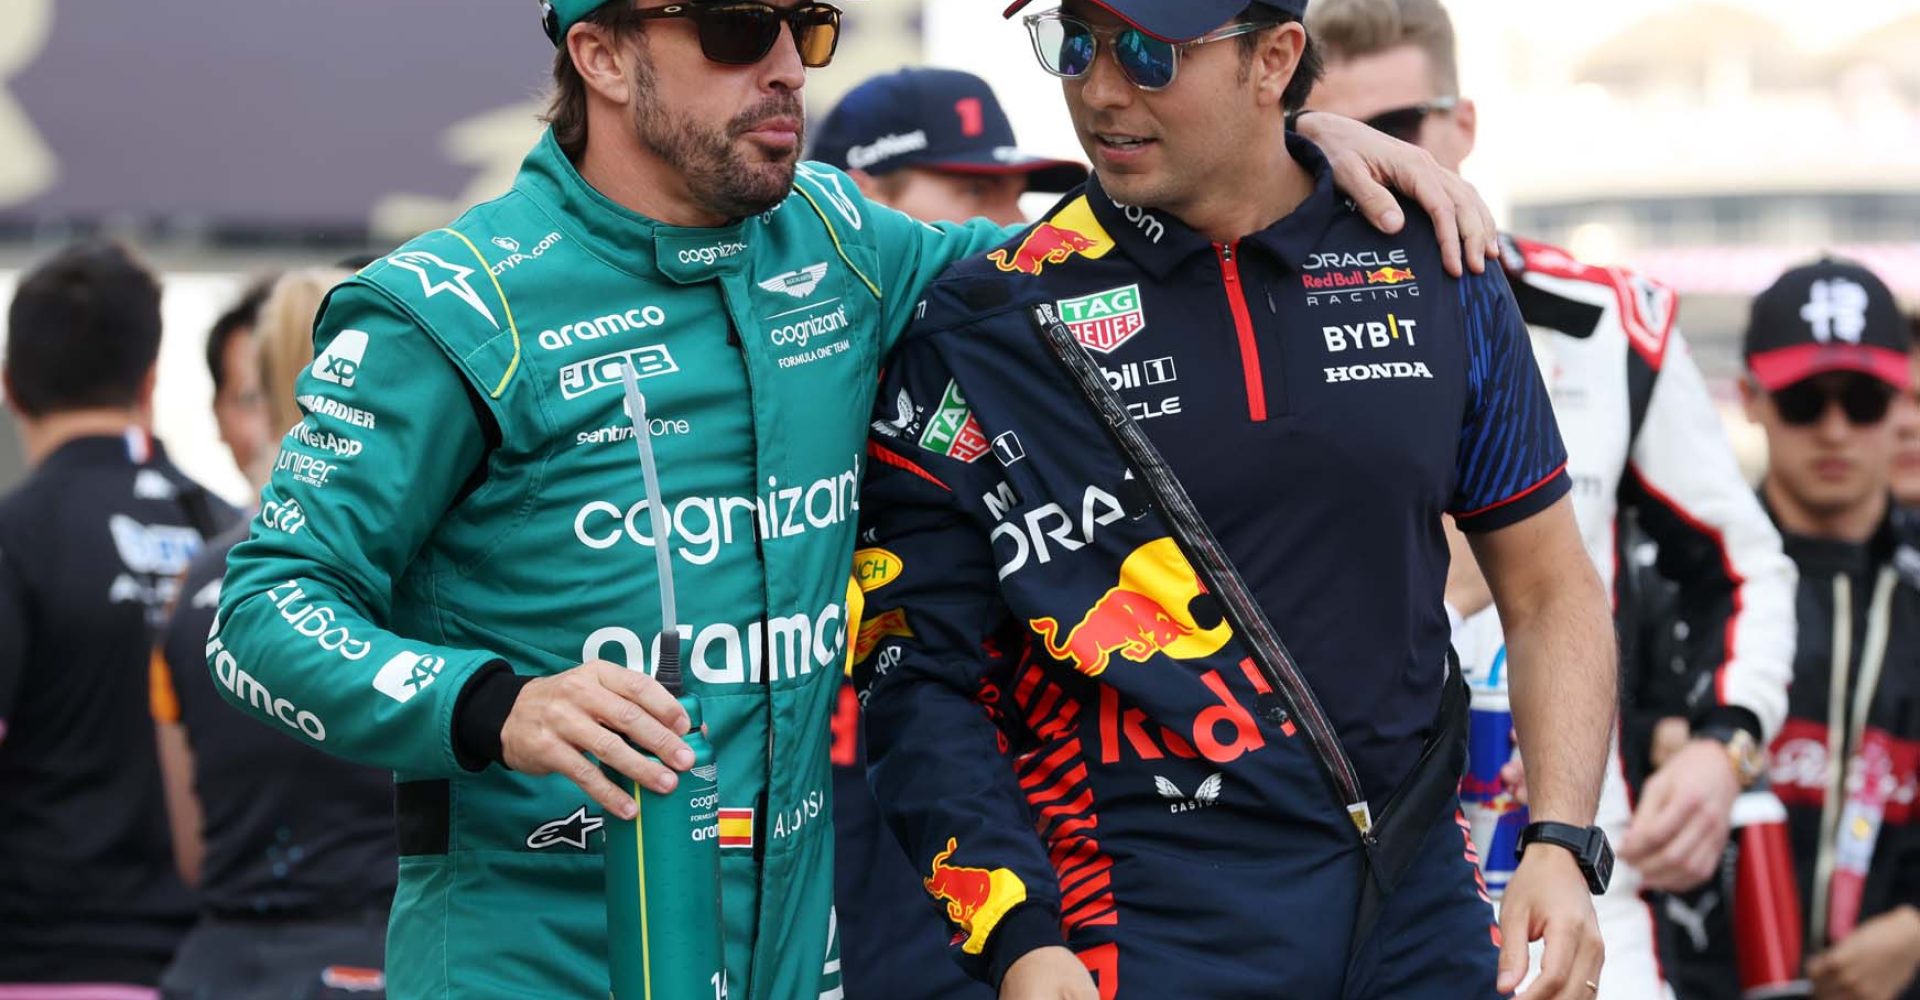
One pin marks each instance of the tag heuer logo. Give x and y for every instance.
(1105, 320)
(799, 284)
(953, 430)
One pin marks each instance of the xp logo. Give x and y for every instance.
(408, 674)
(340, 362)
(577, 380)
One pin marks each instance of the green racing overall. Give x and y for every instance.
(463, 492)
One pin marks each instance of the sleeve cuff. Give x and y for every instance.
(1518, 507)
(1028, 927)
(1729, 717)
(480, 713)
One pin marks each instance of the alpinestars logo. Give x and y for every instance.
(1206, 796)
(799, 284)
(570, 831)
(1836, 309)
(438, 276)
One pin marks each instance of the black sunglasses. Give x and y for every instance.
(1864, 399)
(1404, 123)
(742, 32)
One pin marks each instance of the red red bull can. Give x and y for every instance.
(1494, 815)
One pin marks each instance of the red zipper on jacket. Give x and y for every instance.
(1243, 326)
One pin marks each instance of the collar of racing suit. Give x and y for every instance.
(1161, 243)
(626, 239)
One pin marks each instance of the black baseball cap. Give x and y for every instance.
(1178, 20)
(1828, 316)
(939, 119)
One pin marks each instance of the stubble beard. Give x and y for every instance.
(724, 179)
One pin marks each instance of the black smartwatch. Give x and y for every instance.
(1588, 844)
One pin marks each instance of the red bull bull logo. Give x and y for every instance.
(1389, 276)
(1072, 231)
(976, 898)
(1147, 612)
(1045, 244)
(878, 628)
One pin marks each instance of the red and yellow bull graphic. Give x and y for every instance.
(876, 629)
(1072, 231)
(976, 898)
(1389, 276)
(1147, 612)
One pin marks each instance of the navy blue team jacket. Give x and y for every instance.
(1062, 726)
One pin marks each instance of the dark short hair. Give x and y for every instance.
(1305, 75)
(567, 104)
(84, 331)
(239, 318)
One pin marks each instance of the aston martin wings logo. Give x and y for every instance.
(799, 284)
(438, 276)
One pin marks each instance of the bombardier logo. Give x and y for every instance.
(340, 362)
(577, 380)
(438, 276)
(799, 284)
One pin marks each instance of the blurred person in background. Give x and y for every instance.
(1828, 360)
(937, 145)
(92, 545)
(238, 409)
(1906, 462)
(487, 536)
(1643, 437)
(291, 850)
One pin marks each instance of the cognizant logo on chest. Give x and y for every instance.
(704, 525)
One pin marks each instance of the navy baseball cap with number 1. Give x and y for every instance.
(937, 119)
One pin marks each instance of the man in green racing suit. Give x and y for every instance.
(450, 573)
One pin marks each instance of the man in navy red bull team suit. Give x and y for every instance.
(1111, 775)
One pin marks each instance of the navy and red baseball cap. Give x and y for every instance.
(1179, 20)
(937, 119)
(1828, 316)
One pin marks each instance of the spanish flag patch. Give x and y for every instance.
(736, 828)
